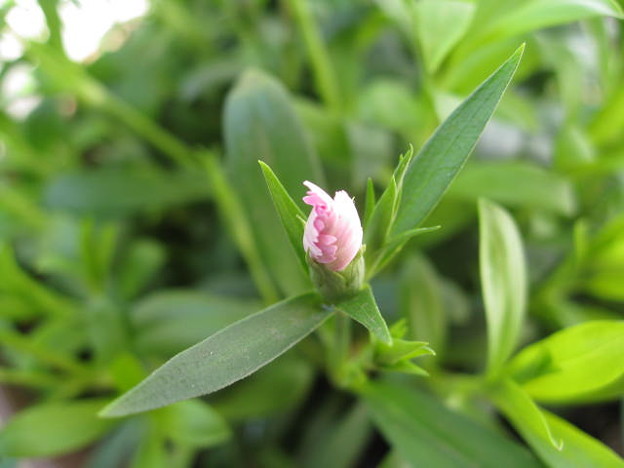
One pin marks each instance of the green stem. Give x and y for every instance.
(324, 74)
(339, 352)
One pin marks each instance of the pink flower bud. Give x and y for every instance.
(333, 232)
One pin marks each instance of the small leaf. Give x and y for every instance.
(423, 432)
(429, 174)
(225, 357)
(290, 214)
(400, 351)
(580, 363)
(503, 281)
(363, 308)
(53, 429)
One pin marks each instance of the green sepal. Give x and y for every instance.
(336, 286)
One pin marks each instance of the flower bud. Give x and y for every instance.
(332, 240)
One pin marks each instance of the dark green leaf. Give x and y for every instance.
(225, 357)
(429, 174)
(112, 192)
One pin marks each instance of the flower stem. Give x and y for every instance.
(319, 56)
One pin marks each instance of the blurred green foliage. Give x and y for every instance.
(135, 222)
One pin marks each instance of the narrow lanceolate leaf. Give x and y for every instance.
(225, 357)
(363, 308)
(290, 214)
(429, 174)
(423, 432)
(258, 115)
(558, 443)
(503, 281)
(577, 364)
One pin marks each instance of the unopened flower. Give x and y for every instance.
(333, 232)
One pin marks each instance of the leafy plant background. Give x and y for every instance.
(135, 221)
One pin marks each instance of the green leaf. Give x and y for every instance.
(290, 214)
(193, 423)
(225, 357)
(429, 174)
(440, 25)
(423, 432)
(580, 363)
(167, 322)
(515, 184)
(363, 308)
(503, 281)
(53, 429)
(114, 192)
(525, 416)
(341, 442)
(422, 302)
(557, 442)
(260, 123)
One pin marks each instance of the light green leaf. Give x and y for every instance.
(225, 357)
(580, 363)
(258, 116)
(363, 308)
(423, 432)
(290, 214)
(440, 25)
(53, 429)
(429, 174)
(515, 184)
(537, 14)
(525, 416)
(579, 448)
(503, 281)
